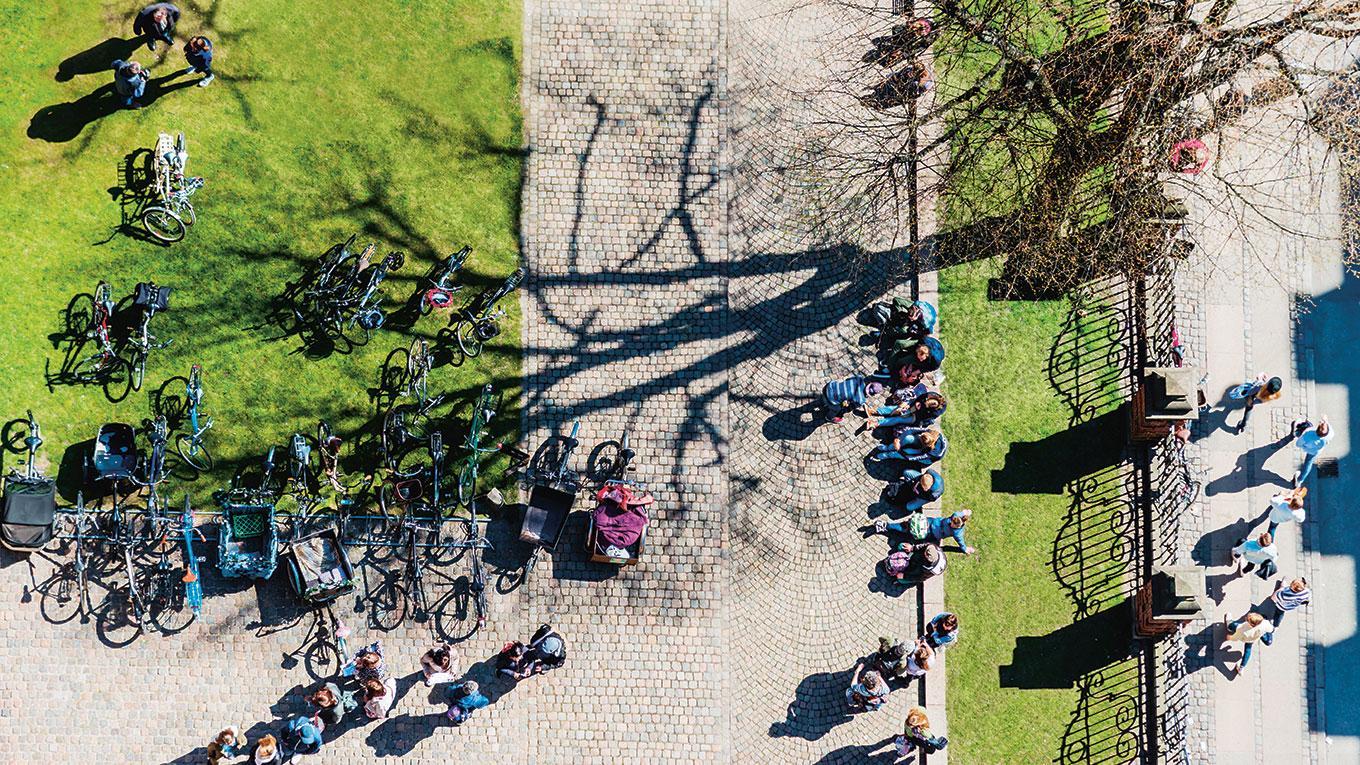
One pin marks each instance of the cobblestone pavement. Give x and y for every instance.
(1242, 297)
(676, 293)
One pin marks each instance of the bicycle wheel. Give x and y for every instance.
(139, 370)
(467, 481)
(167, 604)
(478, 586)
(96, 368)
(468, 341)
(162, 224)
(61, 597)
(387, 606)
(194, 453)
(186, 213)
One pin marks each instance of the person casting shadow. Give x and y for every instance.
(60, 123)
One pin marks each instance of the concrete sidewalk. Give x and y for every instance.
(1241, 297)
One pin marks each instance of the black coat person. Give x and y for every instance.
(156, 22)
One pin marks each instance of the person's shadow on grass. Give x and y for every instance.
(60, 123)
(97, 59)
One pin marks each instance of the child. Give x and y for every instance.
(437, 664)
(228, 745)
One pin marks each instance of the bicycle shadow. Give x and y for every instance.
(132, 193)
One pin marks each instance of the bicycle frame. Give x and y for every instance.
(299, 464)
(481, 416)
(193, 588)
(440, 293)
(158, 435)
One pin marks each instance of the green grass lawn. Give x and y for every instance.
(395, 119)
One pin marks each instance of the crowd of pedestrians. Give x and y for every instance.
(1258, 552)
(156, 24)
(366, 689)
(901, 404)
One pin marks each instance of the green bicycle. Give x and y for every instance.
(481, 417)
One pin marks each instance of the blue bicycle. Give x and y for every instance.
(190, 445)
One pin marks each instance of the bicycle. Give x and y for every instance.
(439, 295)
(419, 360)
(392, 602)
(482, 413)
(1190, 478)
(191, 446)
(168, 217)
(404, 424)
(73, 584)
(105, 362)
(151, 298)
(153, 466)
(479, 323)
(403, 489)
(551, 467)
(611, 461)
(367, 310)
(173, 600)
(300, 465)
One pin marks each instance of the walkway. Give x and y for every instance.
(1247, 291)
(675, 292)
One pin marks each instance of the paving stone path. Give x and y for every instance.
(676, 291)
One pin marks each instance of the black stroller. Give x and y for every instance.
(29, 517)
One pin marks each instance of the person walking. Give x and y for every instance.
(1256, 391)
(464, 699)
(156, 22)
(266, 751)
(198, 53)
(1286, 507)
(916, 735)
(921, 660)
(331, 704)
(1286, 599)
(129, 81)
(1259, 551)
(868, 690)
(942, 631)
(301, 736)
(228, 745)
(1246, 631)
(379, 696)
(936, 530)
(437, 665)
(1312, 439)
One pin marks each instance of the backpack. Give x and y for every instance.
(151, 295)
(918, 527)
(898, 492)
(897, 563)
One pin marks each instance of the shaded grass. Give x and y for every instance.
(398, 120)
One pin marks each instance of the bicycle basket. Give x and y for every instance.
(149, 295)
(487, 330)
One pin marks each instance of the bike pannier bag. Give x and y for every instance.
(150, 295)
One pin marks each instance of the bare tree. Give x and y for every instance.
(1065, 132)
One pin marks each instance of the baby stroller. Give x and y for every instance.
(30, 508)
(318, 568)
(115, 453)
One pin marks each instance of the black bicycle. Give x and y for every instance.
(151, 299)
(438, 295)
(479, 323)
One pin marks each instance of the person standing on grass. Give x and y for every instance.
(129, 80)
(1286, 507)
(198, 52)
(1257, 391)
(156, 22)
(1311, 441)
(1259, 551)
(1245, 631)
